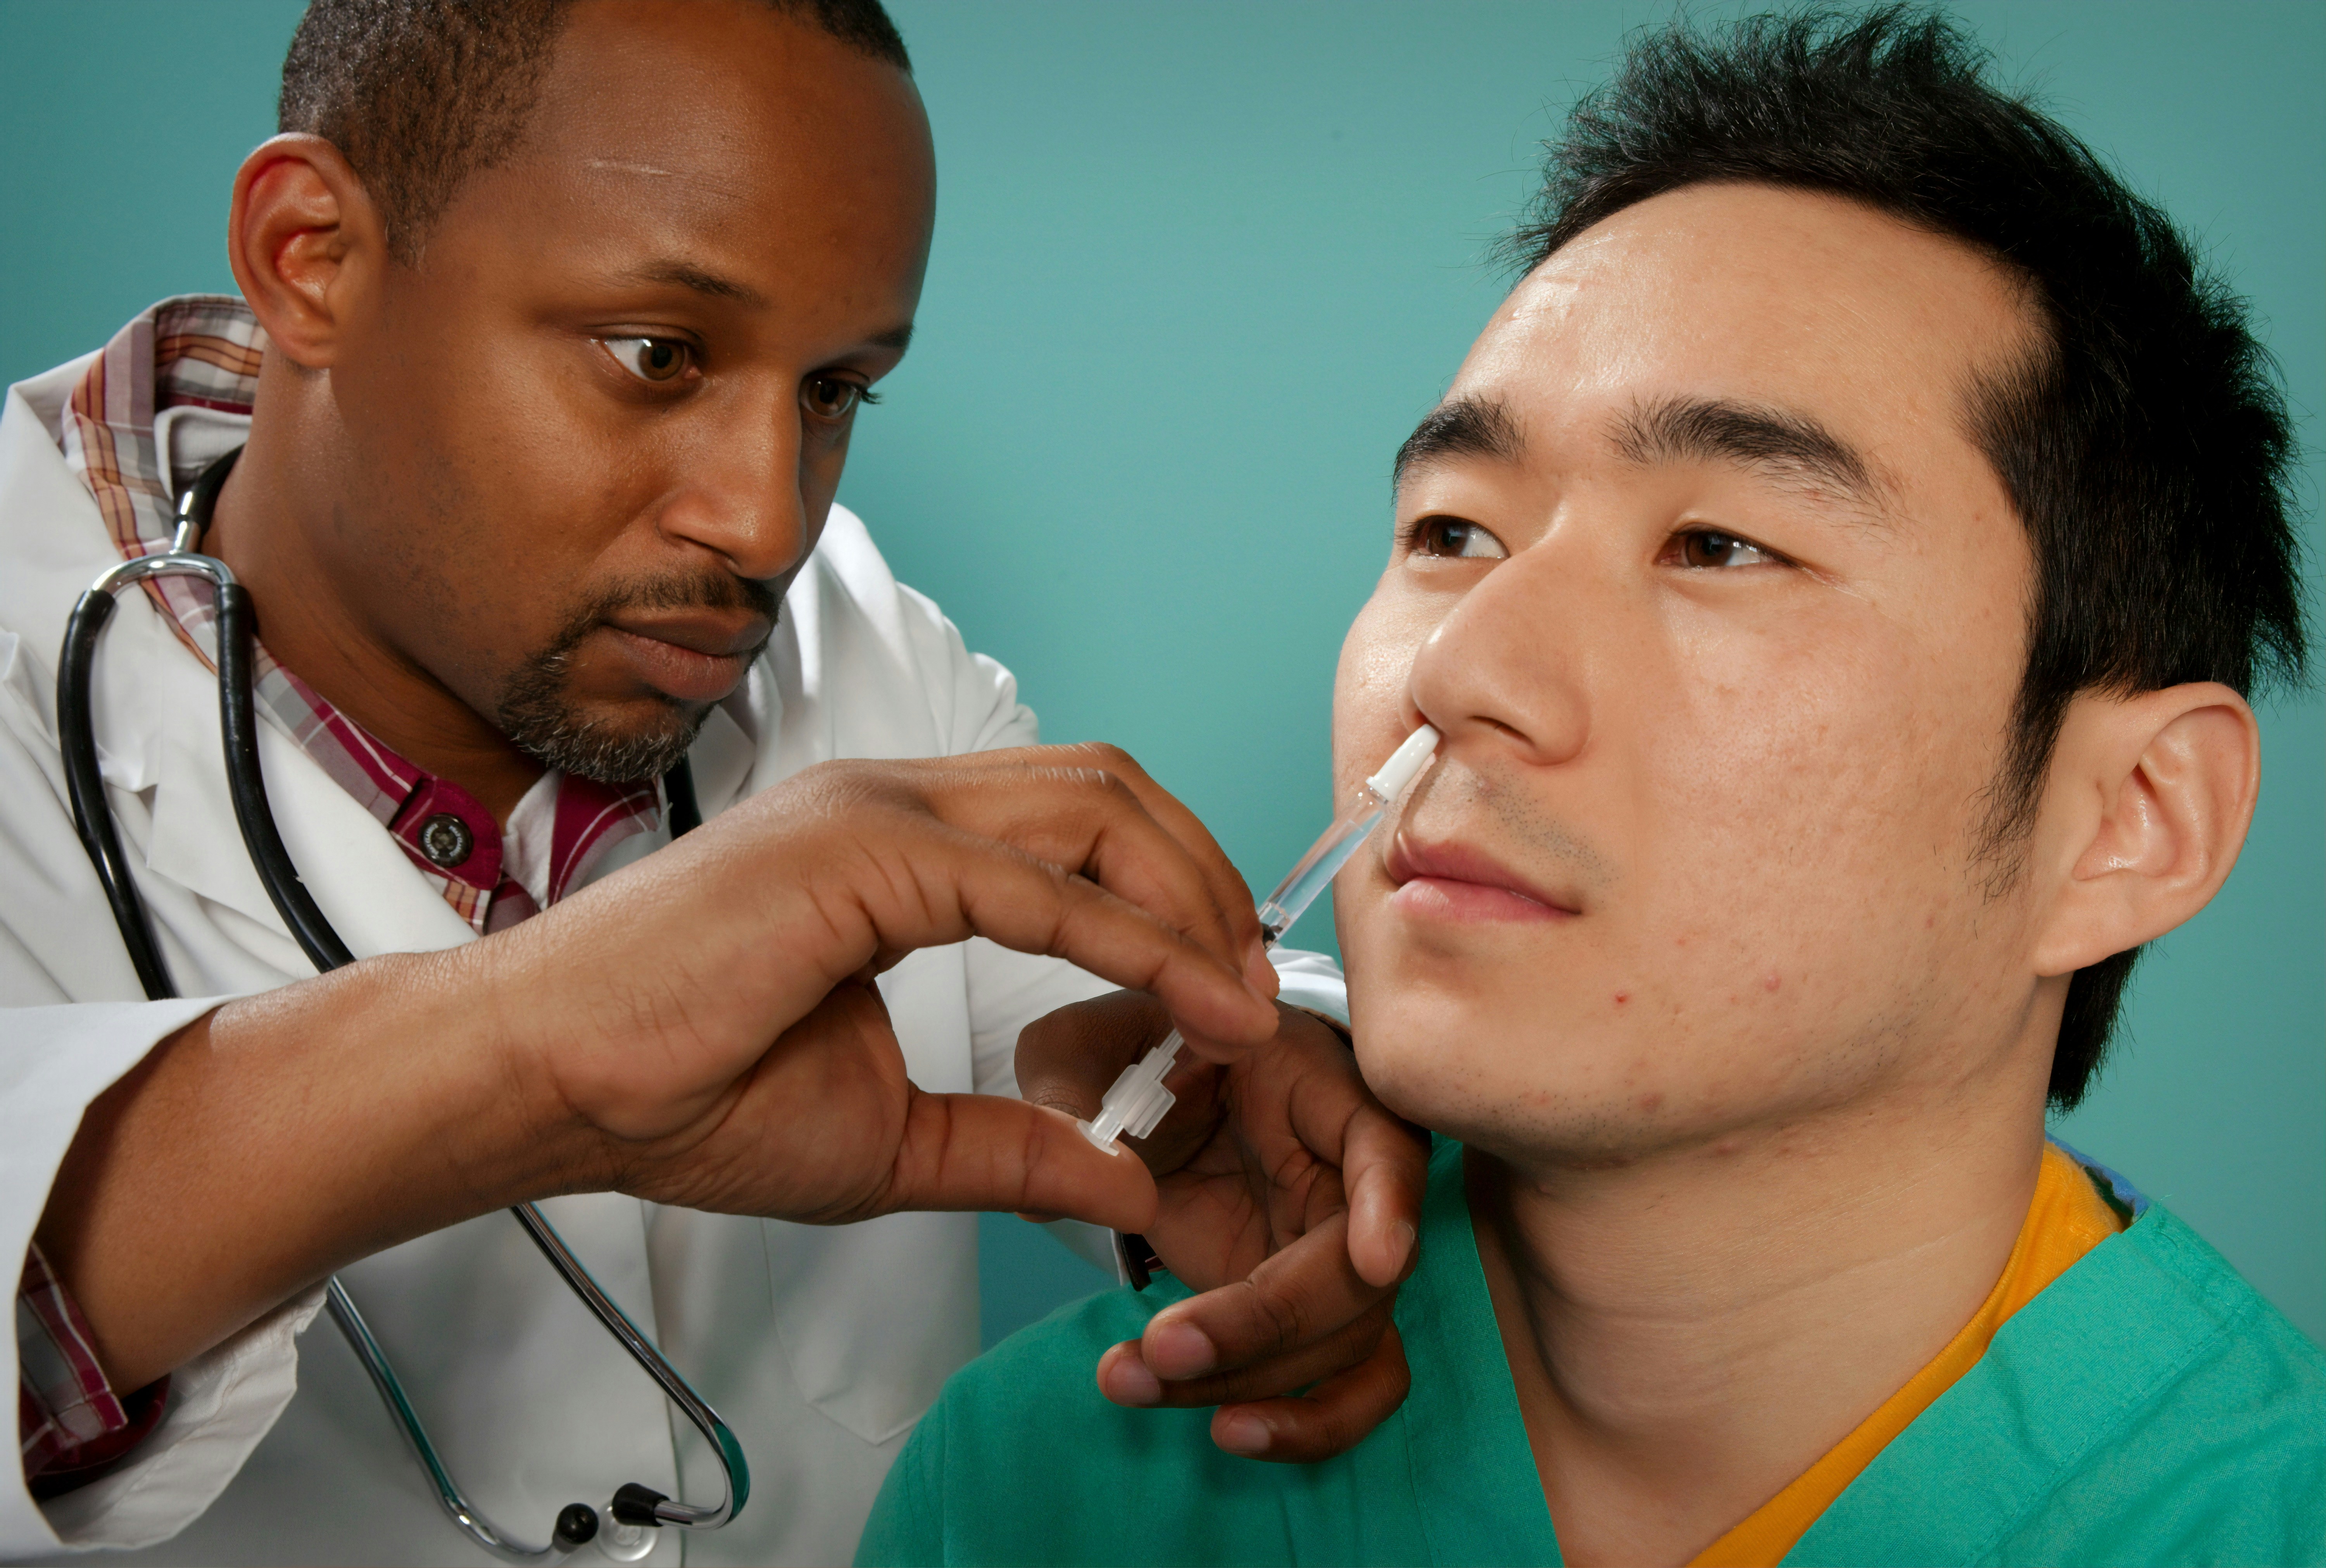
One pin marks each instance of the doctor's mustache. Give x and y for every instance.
(712, 591)
(541, 716)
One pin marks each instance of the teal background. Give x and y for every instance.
(1199, 267)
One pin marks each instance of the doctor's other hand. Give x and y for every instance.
(1289, 1197)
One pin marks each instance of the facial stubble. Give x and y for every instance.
(543, 718)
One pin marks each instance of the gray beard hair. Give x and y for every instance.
(535, 714)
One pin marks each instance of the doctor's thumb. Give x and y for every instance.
(987, 1151)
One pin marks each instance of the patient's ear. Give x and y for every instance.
(2146, 807)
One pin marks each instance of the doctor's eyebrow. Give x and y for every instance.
(687, 275)
(1781, 442)
(1462, 427)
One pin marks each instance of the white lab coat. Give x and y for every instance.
(821, 1346)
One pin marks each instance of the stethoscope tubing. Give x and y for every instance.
(634, 1508)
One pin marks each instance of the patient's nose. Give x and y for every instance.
(1506, 667)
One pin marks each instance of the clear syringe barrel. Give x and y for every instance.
(1136, 1101)
(1308, 881)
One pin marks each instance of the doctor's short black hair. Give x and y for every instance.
(419, 94)
(2145, 443)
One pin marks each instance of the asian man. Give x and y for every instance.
(1839, 573)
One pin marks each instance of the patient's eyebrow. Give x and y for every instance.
(1778, 441)
(1465, 427)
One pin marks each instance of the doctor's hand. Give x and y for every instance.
(700, 1028)
(736, 1056)
(1291, 1198)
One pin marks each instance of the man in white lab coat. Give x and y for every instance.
(557, 317)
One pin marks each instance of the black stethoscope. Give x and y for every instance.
(635, 1509)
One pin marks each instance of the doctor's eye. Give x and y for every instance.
(834, 397)
(1705, 549)
(656, 359)
(1451, 536)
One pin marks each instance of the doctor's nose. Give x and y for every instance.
(745, 502)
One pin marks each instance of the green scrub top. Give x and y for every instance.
(2148, 1409)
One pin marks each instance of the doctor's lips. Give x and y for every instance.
(693, 655)
(1454, 882)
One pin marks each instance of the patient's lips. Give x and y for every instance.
(1456, 883)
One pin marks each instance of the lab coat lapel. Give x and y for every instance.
(51, 535)
(374, 896)
(158, 729)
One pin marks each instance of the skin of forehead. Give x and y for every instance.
(1830, 309)
(712, 172)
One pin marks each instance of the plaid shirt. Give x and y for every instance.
(204, 351)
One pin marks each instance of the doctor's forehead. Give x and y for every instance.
(736, 124)
(1712, 317)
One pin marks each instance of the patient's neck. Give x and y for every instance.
(1690, 1331)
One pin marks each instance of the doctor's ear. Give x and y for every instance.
(306, 244)
(2146, 808)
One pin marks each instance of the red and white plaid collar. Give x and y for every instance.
(204, 350)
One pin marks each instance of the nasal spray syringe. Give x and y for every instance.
(1138, 1099)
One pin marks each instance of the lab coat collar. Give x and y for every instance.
(157, 721)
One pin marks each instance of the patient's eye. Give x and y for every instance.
(1704, 548)
(1452, 536)
(656, 359)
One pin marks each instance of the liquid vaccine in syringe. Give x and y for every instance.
(1138, 1100)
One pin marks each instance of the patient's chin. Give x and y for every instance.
(1590, 1103)
(1407, 1087)
(1444, 1081)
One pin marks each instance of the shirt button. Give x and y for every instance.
(446, 841)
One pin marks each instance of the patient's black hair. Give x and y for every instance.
(2145, 444)
(420, 93)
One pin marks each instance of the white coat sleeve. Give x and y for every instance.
(57, 1055)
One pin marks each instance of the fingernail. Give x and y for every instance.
(1179, 1350)
(1258, 972)
(1126, 1380)
(1245, 1433)
(1412, 1239)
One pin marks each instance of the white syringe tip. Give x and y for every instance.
(1404, 762)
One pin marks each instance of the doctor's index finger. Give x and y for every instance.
(1009, 896)
(1383, 1160)
(1385, 1169)
(852, 864)
(1094, 800)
